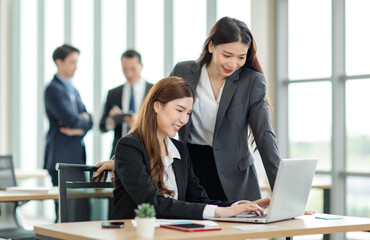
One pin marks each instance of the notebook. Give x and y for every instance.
(289, 198)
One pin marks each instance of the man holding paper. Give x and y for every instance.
(124, 101)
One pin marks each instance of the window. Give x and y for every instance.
(310, 122)
(113, 45)
(357, 39)
(54, 27)
(82, 38)
(325, 81)
(357, 125)
(189, 34)
(235, 9)
(28, 84)
(150, 38)
(309, 39)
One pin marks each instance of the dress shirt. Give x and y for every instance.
(204, 111)
(170, 179)
(139, 91)
(68, 85)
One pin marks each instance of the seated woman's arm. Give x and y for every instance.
(132, 176)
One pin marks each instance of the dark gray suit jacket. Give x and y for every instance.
(243, 103)
(134, 185)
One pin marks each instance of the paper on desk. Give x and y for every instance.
(249, 227)
(159, 222)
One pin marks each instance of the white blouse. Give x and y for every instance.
(170, 179)
(205, 110)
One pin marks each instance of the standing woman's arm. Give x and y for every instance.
(260, 122)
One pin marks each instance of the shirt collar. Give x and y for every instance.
(172, 152)
(68, 80)
(138, 83)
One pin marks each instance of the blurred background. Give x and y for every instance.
(315, 55)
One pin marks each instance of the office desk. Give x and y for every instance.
(22, 174)
(6, 196)
(305, 225)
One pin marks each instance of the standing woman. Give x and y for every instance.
(230, 97)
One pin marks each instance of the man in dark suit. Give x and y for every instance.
(126, 98)
(68, 118)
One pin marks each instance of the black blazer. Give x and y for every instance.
(134, 185)
(61, 148)
(243, 104)
(114, 98)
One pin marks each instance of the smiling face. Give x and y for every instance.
(172, 116)
(227, 58)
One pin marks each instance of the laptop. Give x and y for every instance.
(289, 198)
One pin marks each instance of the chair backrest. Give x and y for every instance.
(82, 197)
(8, 217)
(7, 176)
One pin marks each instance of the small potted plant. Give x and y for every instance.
(145, 220)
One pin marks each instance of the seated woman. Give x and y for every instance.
(150, 167)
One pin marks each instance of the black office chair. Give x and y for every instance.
(9, 225)
(81, 196)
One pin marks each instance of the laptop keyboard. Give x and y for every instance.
(250, 215)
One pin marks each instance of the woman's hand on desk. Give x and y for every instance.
(309, 212)
(242, 207)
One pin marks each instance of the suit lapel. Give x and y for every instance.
(193, 79)
(179, 178)
(227, 94)
(120, 97)
(75, 104)
(147, 89)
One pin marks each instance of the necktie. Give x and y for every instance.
(132, 101)
(131, 108)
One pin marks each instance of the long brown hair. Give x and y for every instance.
(145, 127)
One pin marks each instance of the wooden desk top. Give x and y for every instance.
(304, 225)
(6, 196)
(266, 187)
(26, 195)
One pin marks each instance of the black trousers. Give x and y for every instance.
(205, 169)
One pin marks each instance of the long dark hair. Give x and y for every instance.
(145, 127)
(229, 30)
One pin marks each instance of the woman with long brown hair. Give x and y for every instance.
(150, 167)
